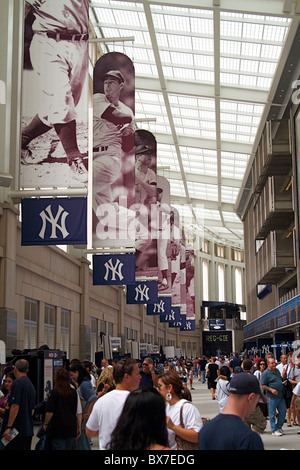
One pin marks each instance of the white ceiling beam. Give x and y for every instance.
(181, 87)
(199, 178)
(256, 7)
(200, 143)
(202, 203)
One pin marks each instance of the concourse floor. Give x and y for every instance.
(209, 408)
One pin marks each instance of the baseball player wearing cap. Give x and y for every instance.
(113, 131)
(145, 195)
(59, 56)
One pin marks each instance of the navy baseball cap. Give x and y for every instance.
(245, 383)
(115, 74)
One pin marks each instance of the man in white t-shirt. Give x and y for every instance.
(283, 364)
(107, 409)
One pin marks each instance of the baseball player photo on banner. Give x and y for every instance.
(163, 235)
(146, 262)
(113, 151)
(175, 248)
(54, 108)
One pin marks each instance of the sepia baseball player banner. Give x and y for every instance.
(144, 292)
(113, 269)
(146, 261)
(54, 221)
(113, 165)
(175, 253)
(163, 235)
(162, 307)
(54, 107)
(190, 281)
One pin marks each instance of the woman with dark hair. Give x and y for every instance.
(82, 381)
(142, 423)
(63, 413)
(221, 388)
(178, 399)
(212, 373)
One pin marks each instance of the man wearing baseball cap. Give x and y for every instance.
(227, 431)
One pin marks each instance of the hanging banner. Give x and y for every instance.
(146, 262)
(144, 292)
(176, 320)
(162, 307)
(188, 325)
(113, 269)
(113, 151)
(54, 109)
(175, 252)
(163, 235)
(190, 282)
(171, 316)
(59, 221)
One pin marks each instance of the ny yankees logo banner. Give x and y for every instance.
(170, 317)
(113, 151)
(176, 320)
(113, 269)
(162, 307)
(60, 221)
(54, 108)
(188, 325)
(144, 292)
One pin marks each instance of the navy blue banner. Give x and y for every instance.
(113, 269)
(144, 292)
(162, 307)
(188, 325)
(176, 321)
(59, 221)
(170, 316)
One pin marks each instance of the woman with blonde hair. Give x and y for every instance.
(105, 382)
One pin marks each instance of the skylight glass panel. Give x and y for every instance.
(204, 76)
(274, 33)
(231, 28)
(230, 63)
(229, 194)
(177, 23)
(253, 31)
(203, 44)
(203, 61)
(177, 188)
(178, 41)
(264, 82)
(203, 25)
(270, 51)
(267, 68)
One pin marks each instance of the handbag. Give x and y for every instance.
(182, 444)
(287, 390)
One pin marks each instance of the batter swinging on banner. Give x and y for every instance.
(59, 56)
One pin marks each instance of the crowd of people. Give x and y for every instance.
(132, 405)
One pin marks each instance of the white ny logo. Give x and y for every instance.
(54, 222)
(115, 269)
(159, 308)
(143, 291)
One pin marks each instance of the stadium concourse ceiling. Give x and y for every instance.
(208, 75)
